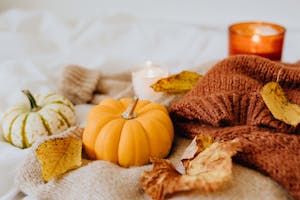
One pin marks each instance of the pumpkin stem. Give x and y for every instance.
(31, 99)
(129, 112)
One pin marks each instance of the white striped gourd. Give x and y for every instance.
(44, 115)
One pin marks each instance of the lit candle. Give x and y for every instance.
(144, 78)
(258, 38)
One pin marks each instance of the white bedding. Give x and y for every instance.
(35, 46)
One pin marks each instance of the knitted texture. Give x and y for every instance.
(103, 180)
(226, 104)
(78, 84)
(114, 86)
(81, 86)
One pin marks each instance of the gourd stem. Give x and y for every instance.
(129, 112)
(31, 99)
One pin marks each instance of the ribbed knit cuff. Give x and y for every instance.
(228, 109)
(78, 84)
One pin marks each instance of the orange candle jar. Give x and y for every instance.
(257, 38)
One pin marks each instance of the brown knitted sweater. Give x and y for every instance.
(226, 104)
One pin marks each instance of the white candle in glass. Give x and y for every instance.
(144, 78)
(263, 30)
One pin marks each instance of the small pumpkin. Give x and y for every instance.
(128, 132)
(44, 115)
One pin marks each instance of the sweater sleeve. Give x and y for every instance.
(228, 94)
(78, 84)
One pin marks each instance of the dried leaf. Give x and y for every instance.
(199, 143)
(177, 83)
(203, 142)
(58, 156)
(163, 179)
(207, 172)
(279, 105)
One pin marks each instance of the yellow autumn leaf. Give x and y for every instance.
(199, 144)
(279, 105)
(207, 172)
(203, 142)
(177, 83)
(59, 155)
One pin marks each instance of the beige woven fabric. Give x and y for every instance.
(104, 181)
(83, 86)
(78, 84)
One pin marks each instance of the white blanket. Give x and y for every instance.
(34, 47)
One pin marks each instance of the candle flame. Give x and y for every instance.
(255, 38)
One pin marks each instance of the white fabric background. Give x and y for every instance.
(205, 12)
(34, 47)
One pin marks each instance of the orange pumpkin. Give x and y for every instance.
(128, 132)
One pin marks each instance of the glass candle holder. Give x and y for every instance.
(145, 77)
(256, 38)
